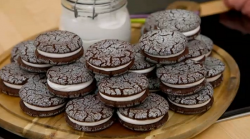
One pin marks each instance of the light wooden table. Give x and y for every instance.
(21, 19)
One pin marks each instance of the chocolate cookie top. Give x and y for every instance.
(154, 106)
(141, 63)
(163, 42)
(88, 109)
(181, 73)
(109, 53)
(198, 98)
(27, 53)
(124, 85)
(196, 48)
(214, 66)
(178, 20)
(58, 41)
(82, 60)
(16, 50)
(13, 74)
(36, 93)
(137, 48)
(209, 43)
(69, 74)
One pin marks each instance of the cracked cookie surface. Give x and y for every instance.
(58, 41)
(181, 73)
(110, 53)
(15, 52)
(209, 43)
(213, 66)
(27, 53)
(163, 42)
(196, 48)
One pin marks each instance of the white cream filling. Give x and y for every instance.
(54, 55)
(43, 108)
(143, 70)
(14, 86)
(192, 32)
(169, 56)
(190, 106)
(110, 69)
(120, 99)
(213, 78)
(138, 122)
(208, 53)
(89, 123)
(36, 65)
(66, 88)
(198, 58)
(184, 85)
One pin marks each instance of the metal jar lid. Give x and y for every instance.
(92, 7)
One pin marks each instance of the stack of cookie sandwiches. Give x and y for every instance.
(115, 81)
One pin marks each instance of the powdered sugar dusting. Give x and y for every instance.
(27, 53)
(123, 85)
(58, 41)
(108, 53)
(198, 98)
(196, 48)
(181, 73)
(153, 107)
(69, 74)
(141, 63)
(163, 42)
(36, 93)
(213, 66)
(16, 50)
(209, 43)
(88, 109)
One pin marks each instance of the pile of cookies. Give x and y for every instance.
(114, 80)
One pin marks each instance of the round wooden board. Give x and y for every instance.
(178, 126)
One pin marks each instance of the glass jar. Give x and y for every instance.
(95, 20)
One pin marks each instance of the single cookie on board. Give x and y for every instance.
(110, 57)
(16, 50)
(36, 100)
(125, 90)
(13, 78)
(150, 115)
(193, 104)
(70, 81)
(28, 60)
(184, 78)
(197, 51)
(164, 47)
(215, 68)
(58, 47)
(184, 21)
(88, 114)
(142, 66)
(209, 43)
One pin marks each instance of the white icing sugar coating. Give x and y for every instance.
(181, 73)
(209, 43)
(123, 85)
(28, 53)
(175, 19)
(58, 41)
(153, 107)
(141, 63)
(163, 42)
(69, 74)
(214, 66)
(137, 48)
(198, 98)
(88, 109)
(12, 73)
(15, 52)
(196, 48)
(36, 93)
(109, 53)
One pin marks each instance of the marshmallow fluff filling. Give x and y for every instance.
(138, 122)
(89, 123)
(192, 32)
(190, 106)
(66, 88)
(211, 79)
(14, 86)
(36, 108)
(36, 65)
(143, 70)
(121, 99)
(54, 55)
(169, 56)
(111, 69)
(184, 85)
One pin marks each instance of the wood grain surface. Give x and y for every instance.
(178, 126)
